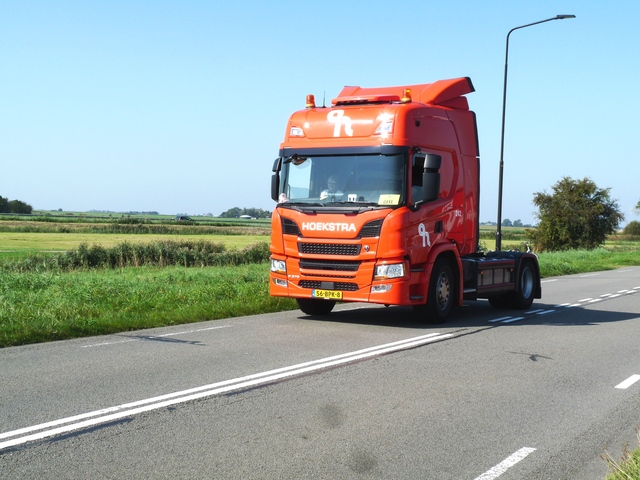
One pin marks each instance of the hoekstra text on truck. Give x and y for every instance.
(378, 198)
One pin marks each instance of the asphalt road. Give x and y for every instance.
(365, 393)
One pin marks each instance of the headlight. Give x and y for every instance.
(389, 271)
(278, 266)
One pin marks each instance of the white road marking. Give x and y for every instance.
(513, 320)
(590, 275)
(530, 312)
(506, 464)
(628, 382)
(549, 281)
(585, 300)
(154, 336)
(501, 319)
(545, 312)
(111, 414)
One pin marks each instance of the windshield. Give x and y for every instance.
(371, 179)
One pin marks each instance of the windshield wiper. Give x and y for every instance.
(298, 205)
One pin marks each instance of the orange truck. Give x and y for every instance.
(378, 202)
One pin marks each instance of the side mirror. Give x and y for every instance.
(431, 177)
(275, 179)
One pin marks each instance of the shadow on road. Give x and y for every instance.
(477, 314)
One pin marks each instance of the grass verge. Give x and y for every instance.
(627, 468)
(45, 306)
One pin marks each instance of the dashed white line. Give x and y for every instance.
(506, 464)
(515, 319)
(628, 382)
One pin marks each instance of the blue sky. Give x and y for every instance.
(180, 106)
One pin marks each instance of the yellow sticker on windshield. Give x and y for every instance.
(389, 199)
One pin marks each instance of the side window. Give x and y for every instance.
(416, 178)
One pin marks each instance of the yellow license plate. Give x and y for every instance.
(331, 294)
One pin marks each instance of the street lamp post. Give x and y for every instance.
(504, 109)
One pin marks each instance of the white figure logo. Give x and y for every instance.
(338, 118)
(422, 231)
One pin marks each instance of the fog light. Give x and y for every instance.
(380, 288)
(280, 282)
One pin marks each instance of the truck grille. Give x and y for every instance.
(333, 265)
(328, 249)
(315, 284)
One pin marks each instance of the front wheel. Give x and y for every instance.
(441, 296)
(312, 306)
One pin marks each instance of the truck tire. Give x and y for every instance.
(527, 278)
(441, 296)
(522, 298)
(312, 306)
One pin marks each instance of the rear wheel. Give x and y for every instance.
(523, 297)
(313, 306)
(441, 296)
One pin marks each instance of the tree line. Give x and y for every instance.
(236, 212)
(14, 206)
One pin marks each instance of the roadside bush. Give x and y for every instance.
(632, 228)
(162, 253)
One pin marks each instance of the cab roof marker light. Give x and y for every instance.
(384, 129)
(296, 132)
